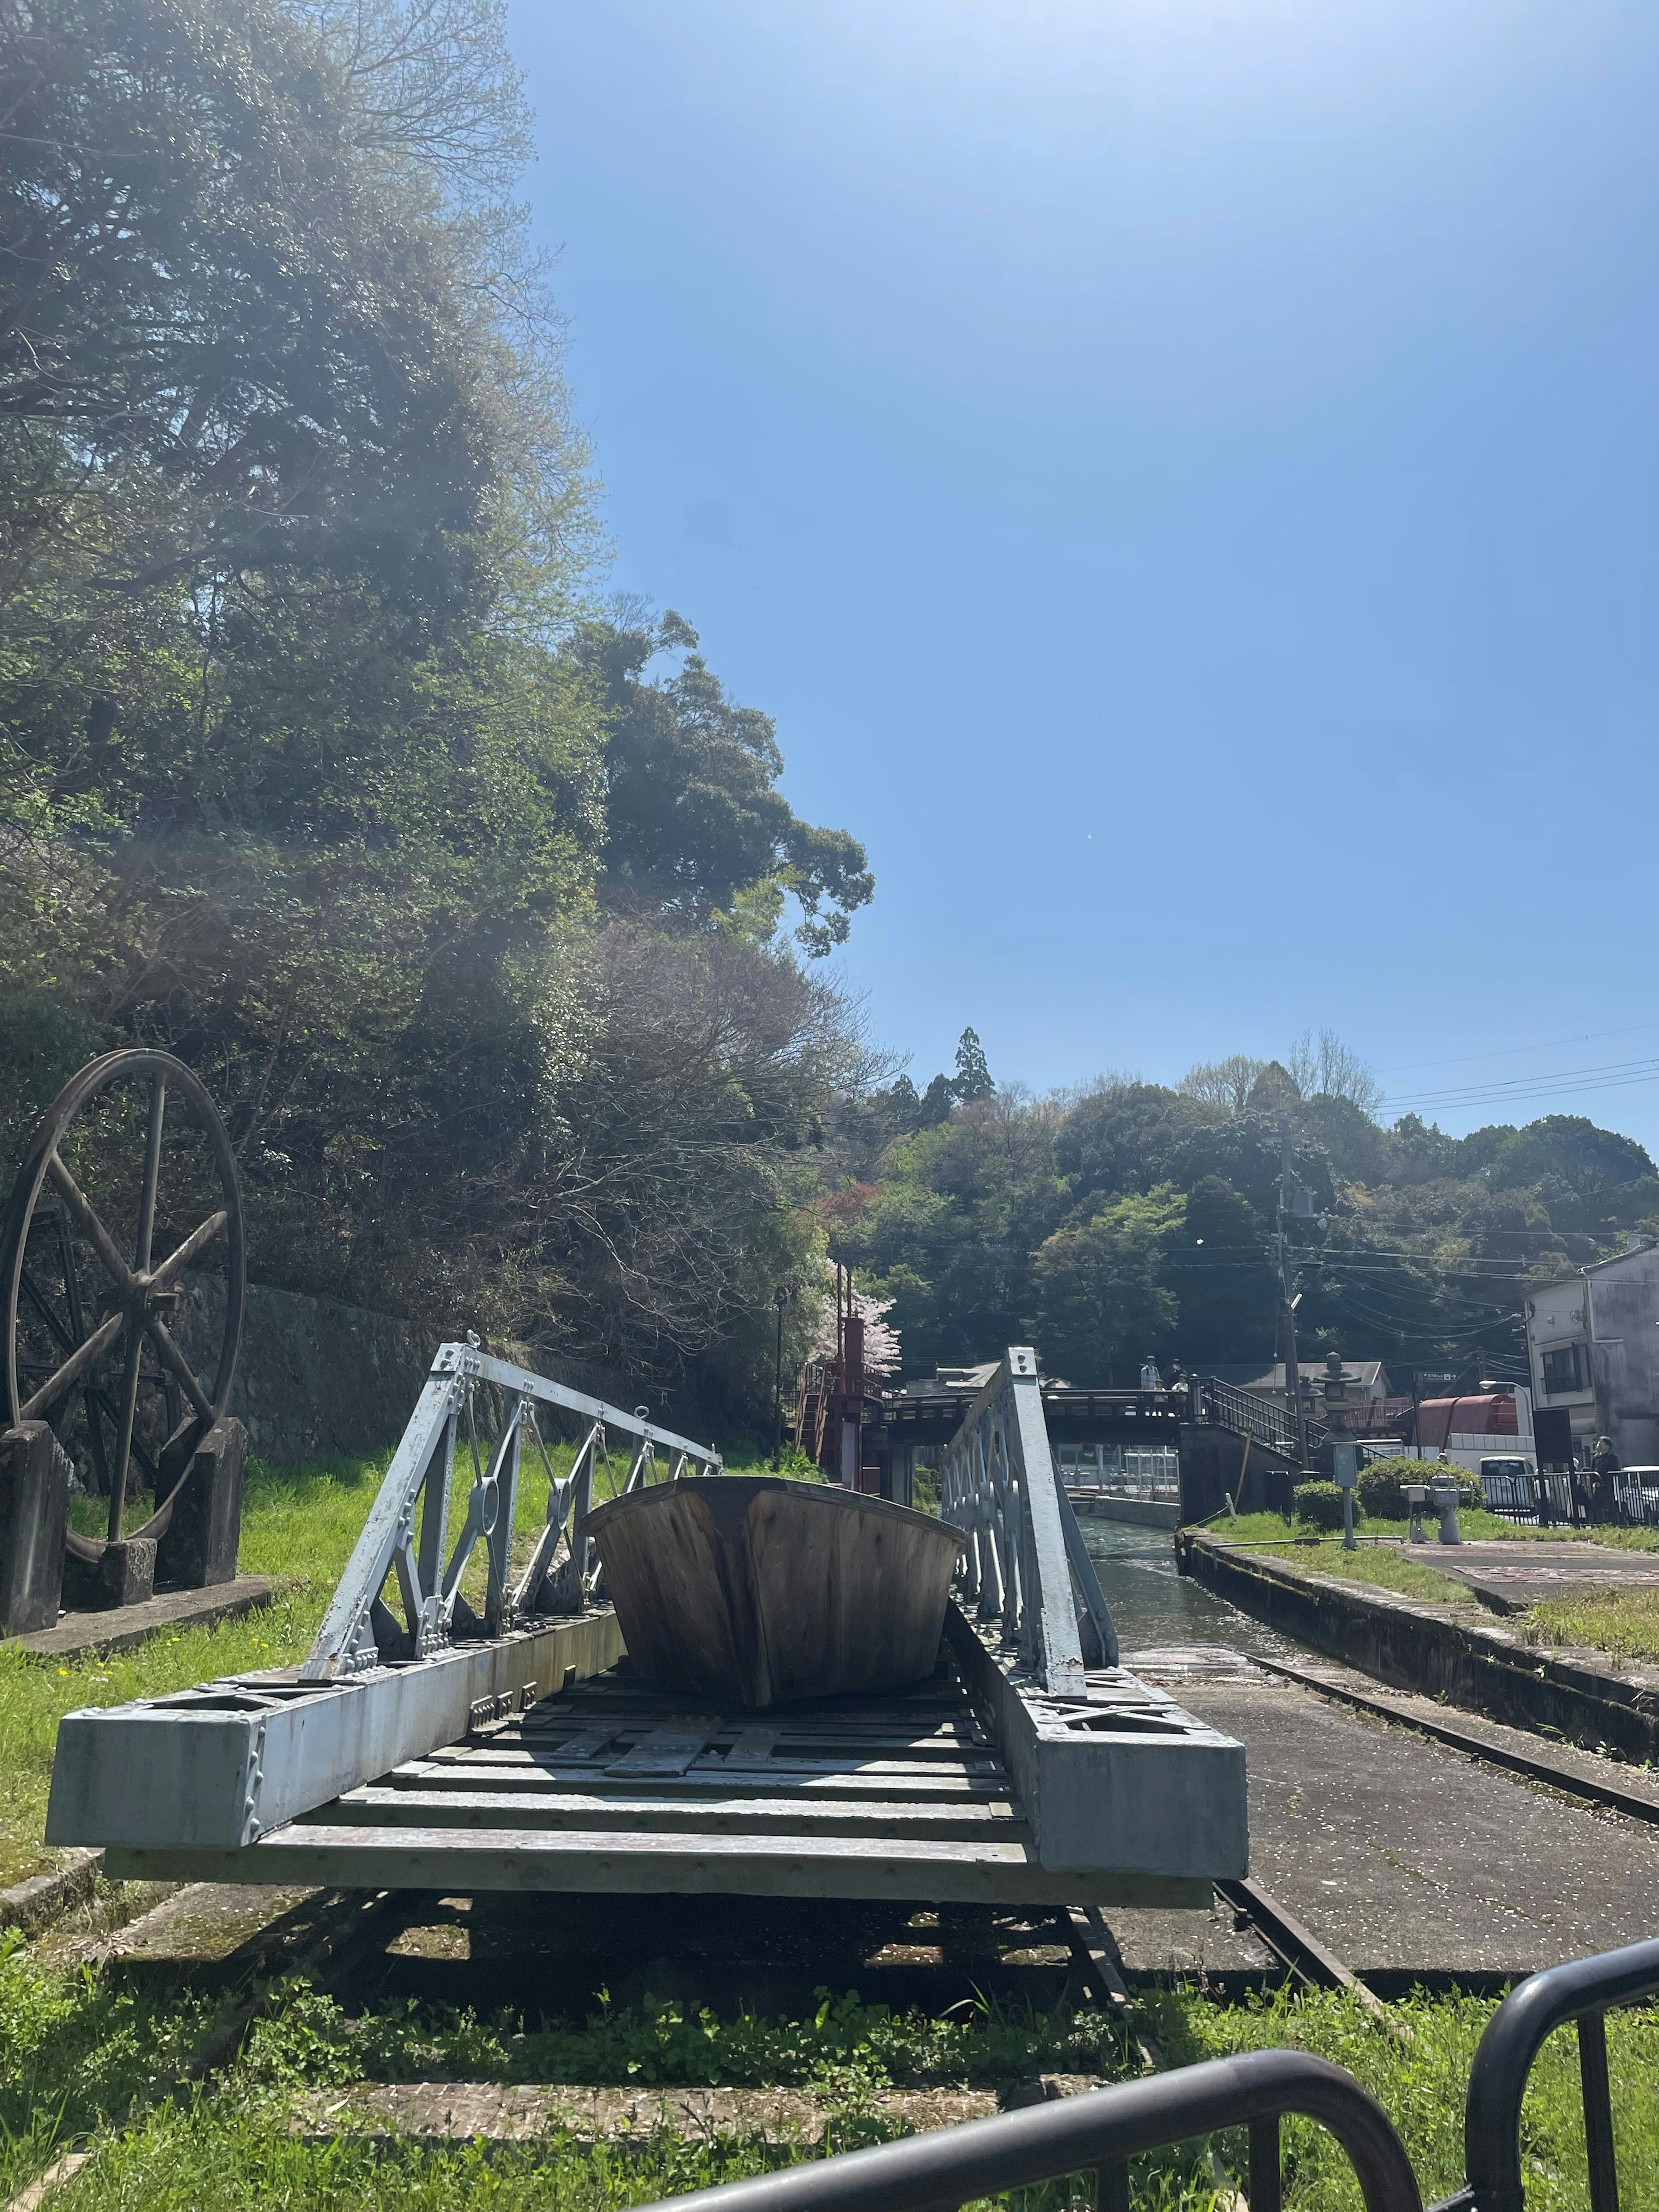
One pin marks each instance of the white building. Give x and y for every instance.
(1593, 1347)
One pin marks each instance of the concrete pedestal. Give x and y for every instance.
(34, 1486)
(126, 1575)
(199, 1550)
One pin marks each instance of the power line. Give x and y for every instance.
(1508, 1051)
(1612, 1075)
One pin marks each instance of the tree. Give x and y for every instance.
(236, 332)
(1101, 1302)
(973, 1079)
(1570, 1150)
(1325, 1066)
(1223, 1082)
(313, 768)
(1217, 1264)
(1275, 1091)
(937, 1102)
(696, 825)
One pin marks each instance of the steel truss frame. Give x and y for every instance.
(1025, 1565)
(360, 1632)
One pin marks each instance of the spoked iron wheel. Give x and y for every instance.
(130, 1161)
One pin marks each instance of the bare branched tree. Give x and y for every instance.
(1224, 1083)
(1325, 1066)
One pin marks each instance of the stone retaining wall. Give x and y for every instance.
(1587, 1697)
(317, 1378)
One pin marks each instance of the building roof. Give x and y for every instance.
(1368, 1374)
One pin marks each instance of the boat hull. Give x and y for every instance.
(757, 1590)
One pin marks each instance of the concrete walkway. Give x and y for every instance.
(1511, 1577)
(1403, 1856)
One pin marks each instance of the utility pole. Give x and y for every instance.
(1292, 1375)
(777, 1388)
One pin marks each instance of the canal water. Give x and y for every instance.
(1154, 1608)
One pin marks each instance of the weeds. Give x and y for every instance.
(1624, 1622)
(1382, 1565)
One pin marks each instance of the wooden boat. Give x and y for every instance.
(755, 1589)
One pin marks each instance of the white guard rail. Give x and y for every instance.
(1025, 1566)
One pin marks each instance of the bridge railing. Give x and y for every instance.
(360, 1632)
(1024, 1565)
(1248, 1413)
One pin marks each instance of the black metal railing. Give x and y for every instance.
(1583, 1992)
(1248, 1412)
(1099, 2132)
(1555, 1498)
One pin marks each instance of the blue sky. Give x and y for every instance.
(1182, 475)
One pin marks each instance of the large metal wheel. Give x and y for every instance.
(131, 1158)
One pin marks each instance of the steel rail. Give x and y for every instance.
(1526, 1764)
(1300, 1950)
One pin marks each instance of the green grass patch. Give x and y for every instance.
(73, 2052)
(1383, 1566)
(1624, 1622)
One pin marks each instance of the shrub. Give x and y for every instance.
(1320, 1504)
(1381, 1489)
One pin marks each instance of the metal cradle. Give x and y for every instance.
(507, 1748)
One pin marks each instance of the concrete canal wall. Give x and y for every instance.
(1440, 1651)
(1141, 1512)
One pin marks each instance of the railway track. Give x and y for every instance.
(1532, 1766)
(346, 1948)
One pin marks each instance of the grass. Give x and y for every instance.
(1624, 1622)
(73, 2051)
(299, 1525)
(1381, 1566)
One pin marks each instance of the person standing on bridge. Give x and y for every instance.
(1604, 1465)
(1150, 1377)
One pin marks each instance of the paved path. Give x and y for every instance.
(1403, 1855)
(1511, 1577)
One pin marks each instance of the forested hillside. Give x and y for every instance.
(1131, 1217)
(475, 900)
(321, 763)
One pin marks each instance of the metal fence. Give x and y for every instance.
(1248, 1413)
(1583, 1992)
(1121, 1471)
(1532, 1500)
(1556, 1500)
(1097, 2134)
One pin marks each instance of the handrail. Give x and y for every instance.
(1249, 1412)
(1582, 1990)
(357, 1626)
(1101, 2129)
(1024, 1564)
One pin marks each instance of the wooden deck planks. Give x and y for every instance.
(639, 1862)
(873, 1818)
